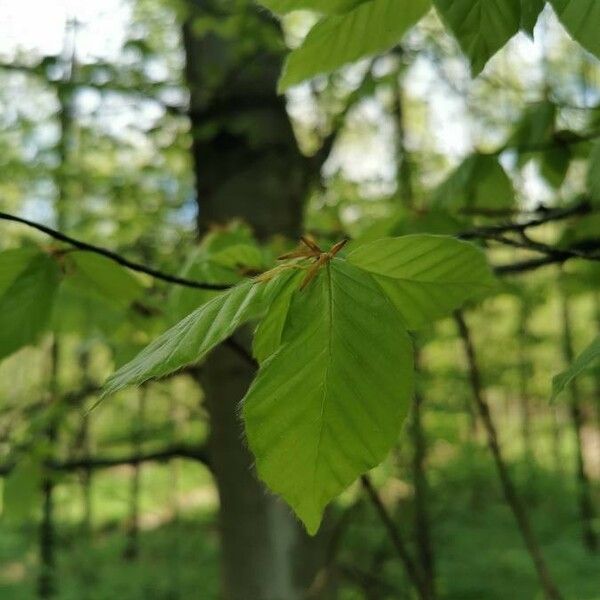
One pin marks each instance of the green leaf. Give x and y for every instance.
(193, 337)
(593, 174)
(269, 332)
(478, 182)
(586, 359)
(329, 404)
(425, 276)
(26, 304)
(372, 27)
(12, 263)
(327, 7)
(106, 277)
(79, 308)
(204, 264)
(22, 490)
(530, 11)
(183, 300)
(554, 165)
(239, 256)
(536, 126)
(581, 18)
(481, 27)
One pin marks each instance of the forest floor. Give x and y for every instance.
(478, 552)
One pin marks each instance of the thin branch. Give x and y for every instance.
(414, 574)
(510, 493)
(553, 255)
(196, 453)
(57, 235)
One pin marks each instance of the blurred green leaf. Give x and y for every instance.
(196, 335)
(535, 129)
(22, 490)
(581, 19)
(267, 337)
(370, 28)
(26, 304)
(584, 361)
(478, 182)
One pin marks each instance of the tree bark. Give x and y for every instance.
(247, 167)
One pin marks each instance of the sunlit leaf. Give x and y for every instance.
(593, 175)
(22, 490)
(329, 404)
(12, 263)
(482, 27)
(193, 337)
(106, 277)
(372, 27)
(267, 337)
(425, 276)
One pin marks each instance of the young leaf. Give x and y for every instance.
(26, 304)
(329, 404)
(530, 11)
(370, 28)
(267, 337)
(193, 337)
(482, 27)
(581, 18)
(586, 359)
(425, 276)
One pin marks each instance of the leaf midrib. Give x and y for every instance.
(329, 288)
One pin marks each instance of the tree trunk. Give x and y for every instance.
(247, 167)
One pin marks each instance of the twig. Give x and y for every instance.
(57, 235)
(510, 493)
(415, 576)
(198, 454)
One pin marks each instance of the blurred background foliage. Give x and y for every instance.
(98, 130)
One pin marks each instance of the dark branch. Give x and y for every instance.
(198, 454)
(57, 235)
(547, 216)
